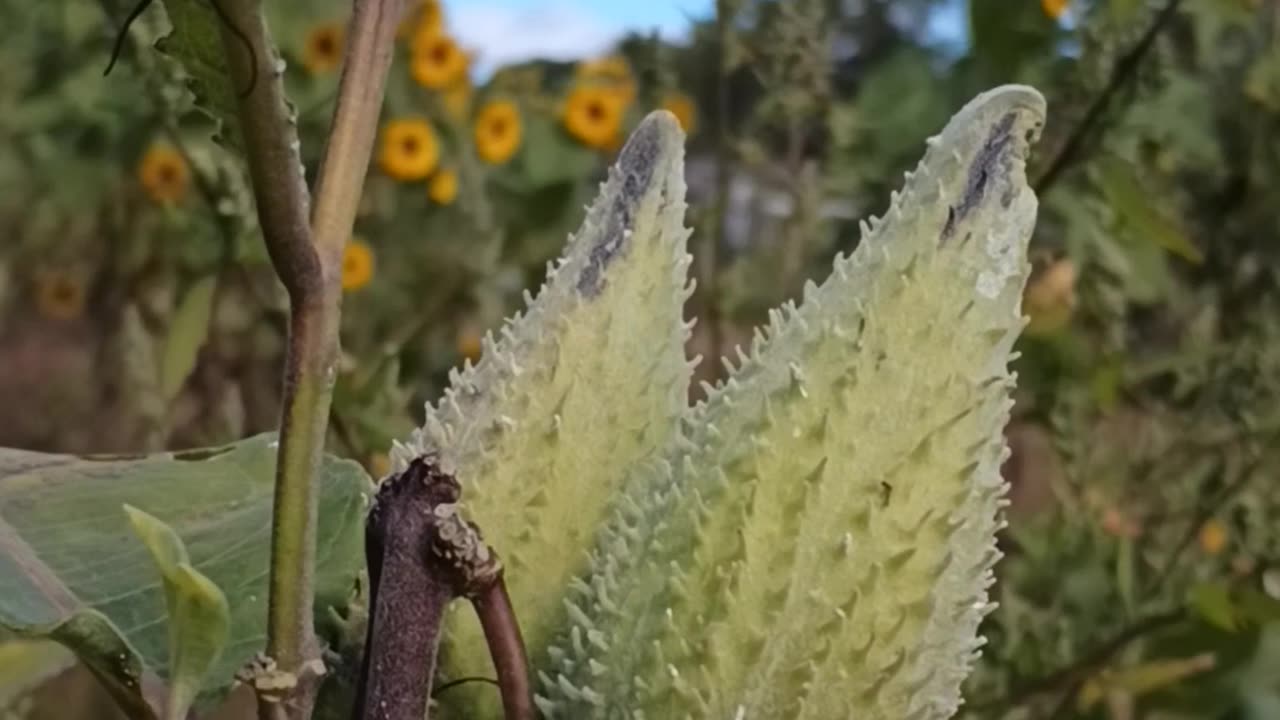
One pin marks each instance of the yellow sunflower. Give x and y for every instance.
(323, 51)
(409, 149)
(437, 61)
(498, 131)
(612, 73)
(443, 187)
(423, 17)
(164, 174)
(1054, 8)
(682, 107)
(59, 295)
(593, 116)
(357, 265)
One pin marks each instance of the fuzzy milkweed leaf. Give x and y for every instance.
(588, 381)
(819, 540)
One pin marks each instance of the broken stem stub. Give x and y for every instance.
(421, 555)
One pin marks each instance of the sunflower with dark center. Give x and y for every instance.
(421, 18)
(436, 61)
(593, 116)
(323, 51)
(498, 131)
(164, 175)
(59, 295)
(612, 73)
(409, 149)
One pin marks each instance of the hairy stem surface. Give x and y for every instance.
(371, 45)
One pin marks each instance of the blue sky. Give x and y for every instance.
(502, 31)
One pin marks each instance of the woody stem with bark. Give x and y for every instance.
(407, 595)
(422, 555)
(306, 251)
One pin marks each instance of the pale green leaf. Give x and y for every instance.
(1144, 678)
(198, 617)
(187, 334)
(819, 542)
(588, 381)
(72, 570)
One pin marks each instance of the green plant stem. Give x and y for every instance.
(306, 252)
(371, 44)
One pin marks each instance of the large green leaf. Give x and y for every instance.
(196, 43)
(71, 568)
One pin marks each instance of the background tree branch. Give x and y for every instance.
(1123, 71)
